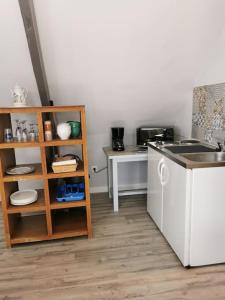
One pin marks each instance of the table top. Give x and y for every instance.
(129, 150)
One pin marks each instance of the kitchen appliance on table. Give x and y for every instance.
(151, 134)
(117, 138)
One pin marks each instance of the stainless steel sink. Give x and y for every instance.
(206, 157)
(189, 149)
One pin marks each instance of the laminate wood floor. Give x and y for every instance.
(127, 259)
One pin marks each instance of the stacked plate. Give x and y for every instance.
(23, 197)
(20, 170)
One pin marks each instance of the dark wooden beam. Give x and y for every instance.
(30, 25)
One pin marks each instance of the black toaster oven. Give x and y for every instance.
(151, 134)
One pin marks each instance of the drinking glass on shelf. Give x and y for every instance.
(18, 131)
(24, 131)
(32, 133)
(8, 135)
(36, 131)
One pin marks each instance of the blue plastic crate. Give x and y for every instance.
(70, 192)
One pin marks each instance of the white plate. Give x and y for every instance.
(20, 170)
(23, 197)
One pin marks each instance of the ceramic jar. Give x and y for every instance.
(48, 130)
(63, 131)
(75, 128)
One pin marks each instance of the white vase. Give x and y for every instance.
(63, 131)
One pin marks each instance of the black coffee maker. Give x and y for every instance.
(117, 138)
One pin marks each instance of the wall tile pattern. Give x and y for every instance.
(208, 117)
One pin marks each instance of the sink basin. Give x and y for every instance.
(190, 141)
(189, 149)
(206, 157)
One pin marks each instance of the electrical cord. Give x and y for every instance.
(100, 170)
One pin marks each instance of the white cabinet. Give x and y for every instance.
(176, 190)
(154, 200)
(207, 240)
(188, 206)
(167, 203)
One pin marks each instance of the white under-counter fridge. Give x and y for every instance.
(188, 206)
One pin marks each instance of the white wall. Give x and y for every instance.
(132, 62)
(15, 63)
(212, 70)
(15, 66)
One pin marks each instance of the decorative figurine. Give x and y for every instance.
(20, 96)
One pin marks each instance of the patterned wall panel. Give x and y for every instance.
(208, 118)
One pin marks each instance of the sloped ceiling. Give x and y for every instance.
(132, 62)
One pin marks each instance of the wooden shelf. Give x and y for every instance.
(59, 205)
(39, 205)
(67, 219)
(78, 173)
(37, 174)
(30, 229)
(54, 109)
(58, 142)
(19, 145)
(69, 223)
(54, 204)
(54, 142)
(35, 109)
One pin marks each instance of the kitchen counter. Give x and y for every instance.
(129, 150)
(182, 161)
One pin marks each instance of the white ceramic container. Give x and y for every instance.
(64, 131)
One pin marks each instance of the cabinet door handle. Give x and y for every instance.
(165, 175)
(160, 164)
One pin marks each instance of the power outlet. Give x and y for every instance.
(94, 169)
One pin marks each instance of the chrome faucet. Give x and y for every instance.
(220, 147)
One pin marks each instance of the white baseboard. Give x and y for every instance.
(104, 189)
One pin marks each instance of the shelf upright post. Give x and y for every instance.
(86, 174)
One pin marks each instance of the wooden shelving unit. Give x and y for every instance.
(51, 219)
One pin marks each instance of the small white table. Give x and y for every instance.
(130, 154)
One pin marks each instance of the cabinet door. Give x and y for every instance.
(154, 200)
(208, 217)
(176, 186)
